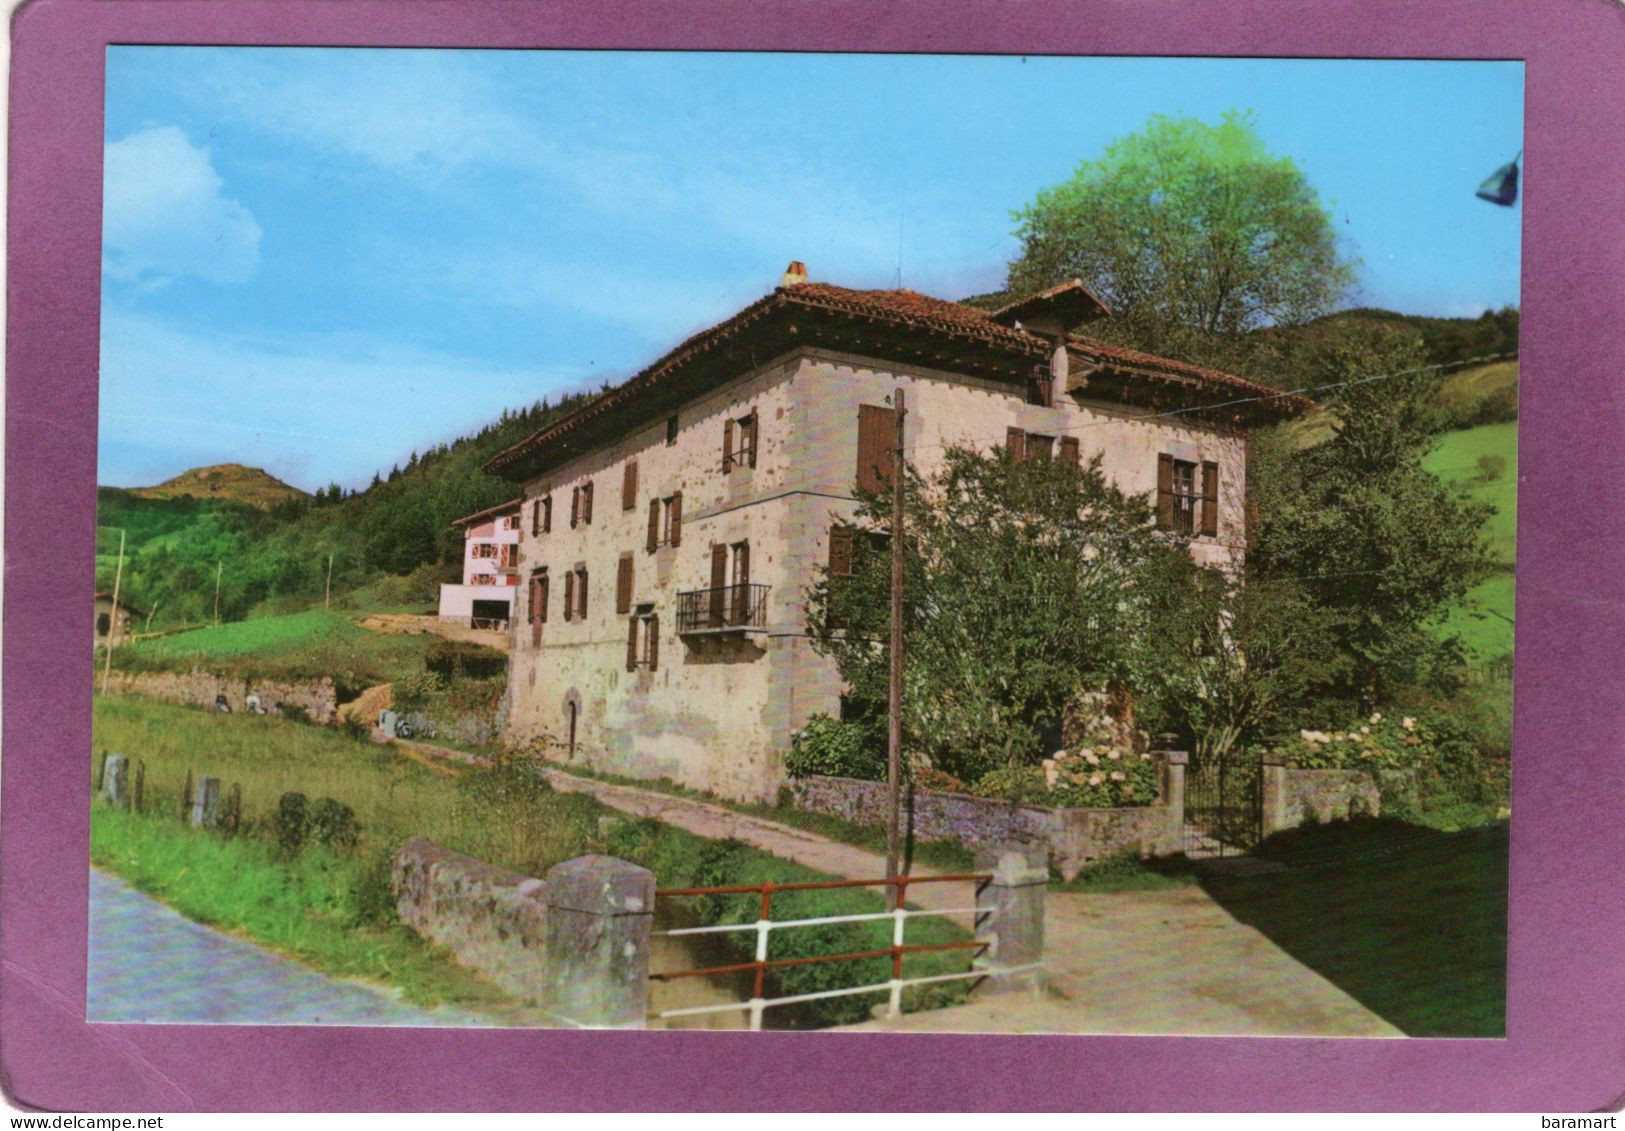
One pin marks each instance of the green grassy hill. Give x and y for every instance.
(1485, 625)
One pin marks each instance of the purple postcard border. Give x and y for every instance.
(1565, 1049)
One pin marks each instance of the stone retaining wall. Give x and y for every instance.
(1293, 796)
(1072, 837)
(317, 698)
(493, 920)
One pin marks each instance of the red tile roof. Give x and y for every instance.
(899, 309)
(509, 507)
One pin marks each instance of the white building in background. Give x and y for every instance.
(484, 599)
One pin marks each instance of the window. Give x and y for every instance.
(510, 522)
(623, 584)
(581, 505)
(541, 519)
(538, 605)
(507, 556)
(643, 639)
(730, 596)
(629, 485)
(671, 429)
(1187, 496)
(1037, 445)
(575, 594)
(485, 549)
(851, 546)
(665, 522)
(739, 442)
(877, 429)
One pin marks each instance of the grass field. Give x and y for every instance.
(1485, 623)
(305, 645)
(1410, 922)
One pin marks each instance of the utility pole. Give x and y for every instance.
(112, 619)
(327, 597)
(894, 707)
(218, 566)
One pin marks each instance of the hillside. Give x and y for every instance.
(390, 545)
(231, 482)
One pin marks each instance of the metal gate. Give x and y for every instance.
(1224, 805)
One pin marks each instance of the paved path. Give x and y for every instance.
(148, 963)
(1167, 962)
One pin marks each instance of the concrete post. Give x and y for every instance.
(1010, 916)
(206, 803)
(1173, 797)
(1273, 795)
(116, 780)
(600, 912)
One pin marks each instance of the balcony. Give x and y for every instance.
(730, 609)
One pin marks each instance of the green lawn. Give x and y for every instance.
(1410, 922)
(301, 645)
(1485, 621)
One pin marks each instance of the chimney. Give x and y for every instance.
(795, 274)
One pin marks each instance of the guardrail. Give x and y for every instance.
(764, 926)
(727, 608)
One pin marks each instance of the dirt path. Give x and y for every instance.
(403, 624)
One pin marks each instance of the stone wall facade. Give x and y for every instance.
(1073, 838)
(716, 711)
(317, 698)
(1294, 796)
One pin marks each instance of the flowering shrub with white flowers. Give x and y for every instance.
(1377, 742)
(1088, 777)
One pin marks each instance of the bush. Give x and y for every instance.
(333, 825)
(292, 820)
(929, 777)
(456, 659)
(1088, 778)
(1491, 467)
(414, 692)
(835, 748)
(1022, 784)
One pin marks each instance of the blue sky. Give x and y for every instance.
(317, 260)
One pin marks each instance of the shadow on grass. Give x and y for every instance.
(1409, 921)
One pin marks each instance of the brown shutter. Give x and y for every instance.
(629, 485)
(654, 524)
(547, 514)
(581, 593)
(631, 644)
(652, 628)
(544, 590)
(840, 551)
(570, 595)
(874, 447)
(1210, 497)
(742, 560)
(536, 519)
(575, 505)
(1165, 492)
(719, 582)
(677, 519)
(753, 425)
(586, 502)
(1071, 450)
(727, 445)
(1016, 441)
(535, 598)
(623, 584)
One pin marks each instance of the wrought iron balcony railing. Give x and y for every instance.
(732, 608)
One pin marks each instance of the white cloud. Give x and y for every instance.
(164, 214)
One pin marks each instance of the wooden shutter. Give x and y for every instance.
(1071, 450)
(629, 485)
(1210, 497)
(586, 502)
(752, 425)
(741, 601)
(547, 514)
(654, 524)
(631, 644)
(623, 584)
(536, 519)
(535, 598)
(544, 590)
(719, 582)
(1016, 441)
(875, 427)
(570, 595)
(581, 593)
(651, 628)
(840, 551)
(1040, 447)
(727, 445)
(677, 519)
(1165, 492)
(575, 506)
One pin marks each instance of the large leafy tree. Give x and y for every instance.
(1192, 233)
(1024, 583)
(1378, 544)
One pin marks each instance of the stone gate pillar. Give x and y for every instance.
(600, 913)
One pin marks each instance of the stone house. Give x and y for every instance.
(484, 598)
(671, 527)
(115, 622)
